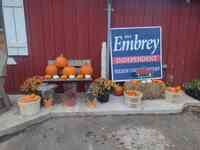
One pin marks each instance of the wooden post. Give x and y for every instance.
(188, 1)
(109, 24)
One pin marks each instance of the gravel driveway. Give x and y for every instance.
(137, 132)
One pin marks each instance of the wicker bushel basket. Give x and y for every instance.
(170, 96)
(30, 108)
(133, 101)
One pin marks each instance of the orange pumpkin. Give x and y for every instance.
(172, 89)
(158, 81)
(86, 69)
(51, 70)
(178, 88)
(61, 61)
(29, 98)
(135, 81)
(131, 93)
(118, 90)
(69, 71)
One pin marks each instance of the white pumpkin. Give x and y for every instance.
(72, 76)
(87, 76)
(56, 77)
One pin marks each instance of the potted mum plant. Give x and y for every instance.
(29, 104)
(101, 88)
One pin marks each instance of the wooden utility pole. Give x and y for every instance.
(4, 99)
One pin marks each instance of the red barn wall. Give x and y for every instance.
(76, 28)
(180, 24)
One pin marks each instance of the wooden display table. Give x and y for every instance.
(67, 81)
(64, 84)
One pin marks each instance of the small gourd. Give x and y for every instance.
(47, 77)
(79, 77)
(72, 77)
(55, 77)
(64, 77)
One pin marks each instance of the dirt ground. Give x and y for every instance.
(136, 132)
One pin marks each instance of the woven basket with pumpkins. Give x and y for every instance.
(29, 104)
(172, 92)
(133, 98)
(152, 89)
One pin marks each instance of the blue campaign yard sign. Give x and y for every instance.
(136, 53)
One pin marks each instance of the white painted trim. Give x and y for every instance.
(104, 61)
(11, 61)
(12, 3)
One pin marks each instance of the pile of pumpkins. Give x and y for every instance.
(62, 70)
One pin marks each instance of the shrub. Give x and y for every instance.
(192, 88)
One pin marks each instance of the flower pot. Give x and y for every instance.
(118, 91)
(91, 104)
(48, 103)
(70, 102)
(29, 108)
(103, 98)
(133, 101)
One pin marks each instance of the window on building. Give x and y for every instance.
(14, 20)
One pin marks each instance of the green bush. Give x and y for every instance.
(192, 88)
